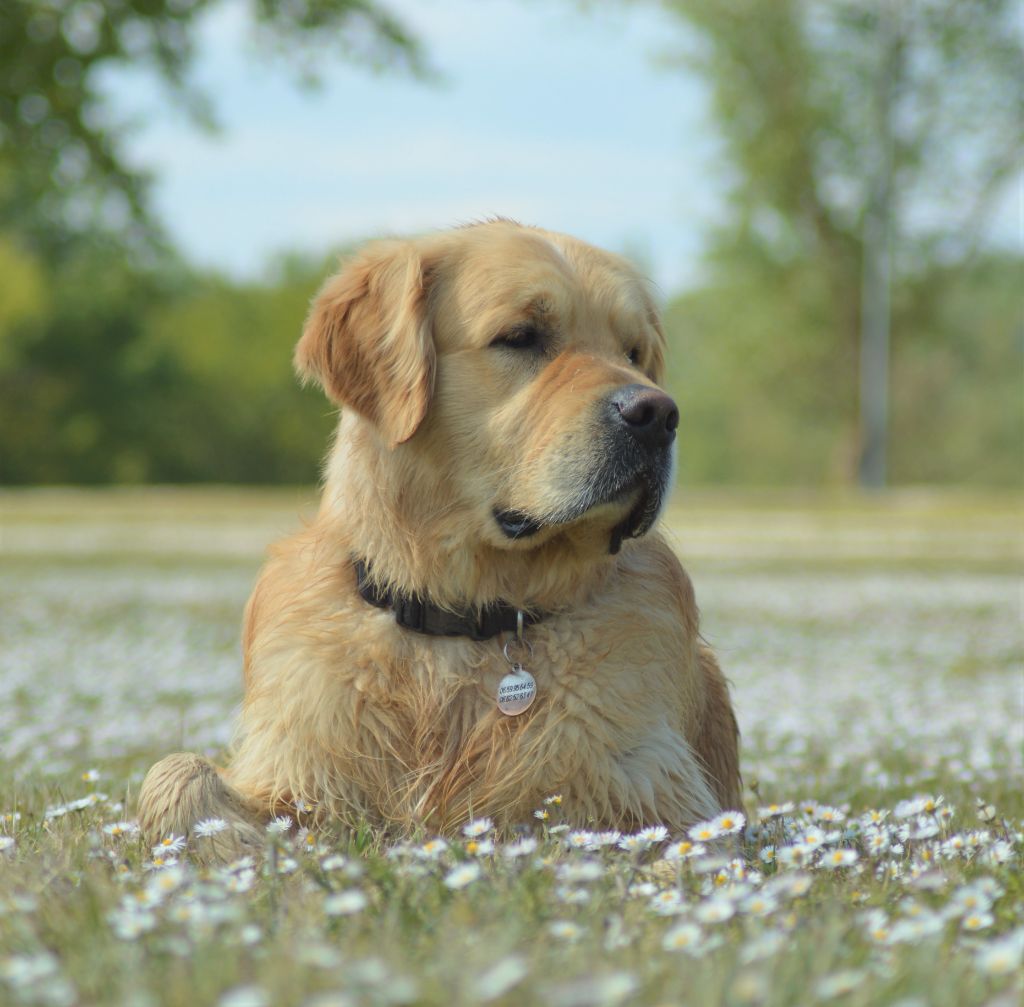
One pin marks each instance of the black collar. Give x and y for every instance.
(423, 616)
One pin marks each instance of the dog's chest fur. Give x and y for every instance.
(402, 728)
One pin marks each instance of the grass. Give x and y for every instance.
(875, 650)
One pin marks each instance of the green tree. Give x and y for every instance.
(63, 172)
(815, 101)
(230, 409)
(117, 364)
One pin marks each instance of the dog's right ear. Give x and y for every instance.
(368, 342)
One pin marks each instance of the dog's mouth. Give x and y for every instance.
(638, 521)
(645, 490)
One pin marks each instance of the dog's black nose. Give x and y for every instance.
(648, 413)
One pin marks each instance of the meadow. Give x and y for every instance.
(875, 651)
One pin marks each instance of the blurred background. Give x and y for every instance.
(828, 195)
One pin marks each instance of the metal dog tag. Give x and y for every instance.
(516, 691)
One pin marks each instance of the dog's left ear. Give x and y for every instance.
(368, 341)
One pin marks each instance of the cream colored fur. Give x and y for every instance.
(355, 718)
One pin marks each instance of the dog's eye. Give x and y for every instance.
(633, 356)
(521, 337)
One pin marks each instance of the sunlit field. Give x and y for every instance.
(875, 650)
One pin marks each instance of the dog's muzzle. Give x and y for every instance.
(634, 459)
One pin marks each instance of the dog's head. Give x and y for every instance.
(520, 366)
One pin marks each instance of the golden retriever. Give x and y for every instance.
(502, 455)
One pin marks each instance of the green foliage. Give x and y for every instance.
(237, 413)
(21, 297)
(62, 167)
(794, 91)
(766, 394)
(68, 395)
(123, 375)
(958, 412)
(116, 363)
(762, 395)
(768, 350)
(114, 374)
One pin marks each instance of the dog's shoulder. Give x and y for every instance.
(651, 586)
(640, 622)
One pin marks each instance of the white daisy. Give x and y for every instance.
(654, 834)
(346, 903)
(667, 903)
(684, 849)
(580, 840)
(209, 827)
(1002, 957)
(244, 996)
(432, 849)
(838, 858)
(478, 827)
(758, 905)
(729, 822)
(564, 930)
(169, 844)
(633, 844)
(463, 875)
(840, 983)
(520, 848)
(876, 841)
(715, 910)
(684, 937)
(497, 980)
(825, 813)
(120, 829)
(774, 811)
(704, 832)
(572, 896)
(583, 870)
(643, 889)
(977, 921)
(764, 945)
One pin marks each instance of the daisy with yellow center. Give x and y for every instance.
(704, 832)
(433, 848)
(684, 937)
(683, 849)
(977, 921)
(478, 827)
(729, 822)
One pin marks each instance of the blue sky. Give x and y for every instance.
(546, 112)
